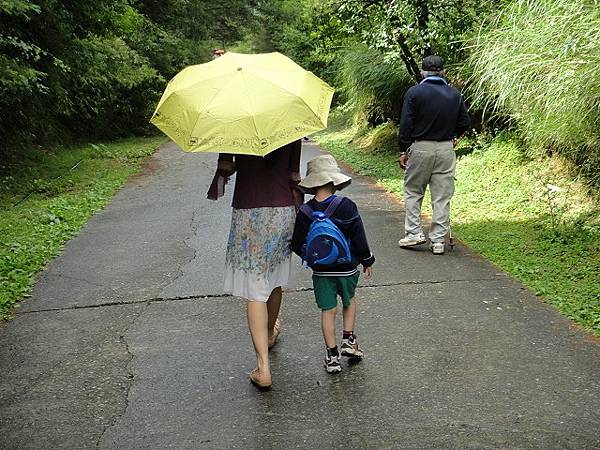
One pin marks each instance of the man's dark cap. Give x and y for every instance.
(433, 63)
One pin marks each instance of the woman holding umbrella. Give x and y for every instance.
(254, 111)
(258, 260)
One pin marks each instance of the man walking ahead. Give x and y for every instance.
(434, 115)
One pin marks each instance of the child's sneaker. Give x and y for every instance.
(350, 348)
(332, 363)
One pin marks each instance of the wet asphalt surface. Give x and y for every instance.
(129, 343)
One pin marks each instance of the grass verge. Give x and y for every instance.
(47, 195)
(529, 217)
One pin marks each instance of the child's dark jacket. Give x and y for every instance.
(348, 220)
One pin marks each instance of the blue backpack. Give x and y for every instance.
(325, 244)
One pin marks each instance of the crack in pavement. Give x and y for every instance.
(130, 377)
(71, 277)
(208, 296)
(194, 225)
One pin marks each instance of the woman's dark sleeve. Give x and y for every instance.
(294, 171)
(296, 151)
(407, 121)
(226, 164)
(225, 157)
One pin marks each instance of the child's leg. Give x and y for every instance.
(332, 359)
(326, 297)
(349, 345)
(347, 288)
(349, 314)
(328, 326)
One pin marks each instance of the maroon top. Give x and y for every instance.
(266, 181)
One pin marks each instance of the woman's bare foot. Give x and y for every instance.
(260, 379)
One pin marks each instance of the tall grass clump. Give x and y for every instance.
(372, 87)
(538, 63)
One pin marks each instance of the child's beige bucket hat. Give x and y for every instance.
(323, 170)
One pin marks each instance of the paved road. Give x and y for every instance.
(128, 342)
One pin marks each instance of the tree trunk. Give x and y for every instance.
(408, 58)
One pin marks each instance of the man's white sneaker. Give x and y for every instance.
(412, 239)
(437, 248)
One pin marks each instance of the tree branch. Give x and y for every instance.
(408, 58)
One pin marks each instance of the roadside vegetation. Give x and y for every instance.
(47, 195)
(537, 64)
(527, 216)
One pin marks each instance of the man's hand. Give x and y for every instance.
(403, 161)
(368, 271)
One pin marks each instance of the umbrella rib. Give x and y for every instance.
(310, 109)
(251, 115)
(301, 99)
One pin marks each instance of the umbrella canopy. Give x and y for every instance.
(243, 104)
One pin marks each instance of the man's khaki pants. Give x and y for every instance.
(429, 163)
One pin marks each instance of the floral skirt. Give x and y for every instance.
(258, 251)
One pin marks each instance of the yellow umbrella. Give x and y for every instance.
(243, 104)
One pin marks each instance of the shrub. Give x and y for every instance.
(111, 87)
(372, 86)
(538, 63)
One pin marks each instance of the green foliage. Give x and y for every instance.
(63, 67)
(538, 64)
(103, 73)
(19, 56)
(372, 86)
(523, 214)
(296, 29)
(18, 8)
(222, 21)
(408, 30)
(96, 68)
(377, 46)
(55, 193)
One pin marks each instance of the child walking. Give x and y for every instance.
(335, 272)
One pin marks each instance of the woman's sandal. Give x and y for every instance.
(272, 340)
(260, 381)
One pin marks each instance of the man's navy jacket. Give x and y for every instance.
(432, 111)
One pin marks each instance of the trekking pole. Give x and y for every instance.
(450, 238)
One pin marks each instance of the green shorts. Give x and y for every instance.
(328, 288)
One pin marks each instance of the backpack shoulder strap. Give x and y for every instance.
(333, 206)
(306, 210)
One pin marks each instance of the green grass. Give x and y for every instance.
(538, 64)
(503, 209)
(47, 195)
